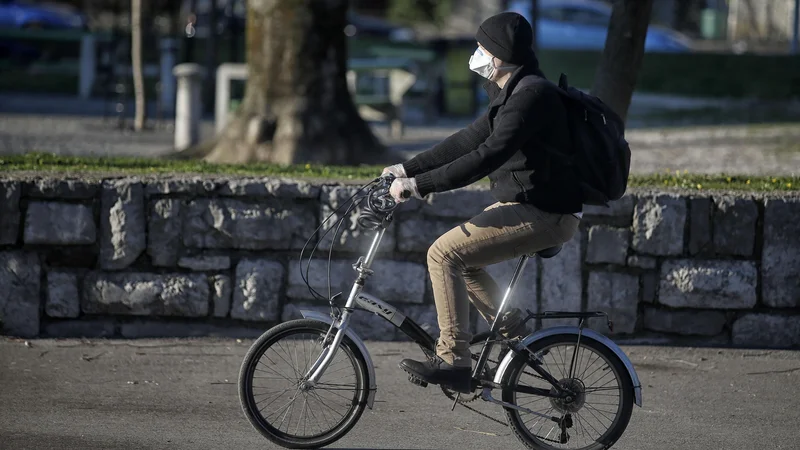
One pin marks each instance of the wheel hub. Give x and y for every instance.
(573, 402)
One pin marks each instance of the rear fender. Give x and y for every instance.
(585, 334)
(314, 315)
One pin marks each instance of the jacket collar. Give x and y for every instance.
(499, 96)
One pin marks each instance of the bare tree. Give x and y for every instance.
(622, 57)
(136, 64)
(296, 107)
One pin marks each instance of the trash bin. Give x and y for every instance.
(713, 23)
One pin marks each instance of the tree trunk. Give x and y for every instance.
(296, 107)
(622, 57)
(136, 63)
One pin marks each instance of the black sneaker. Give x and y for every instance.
(439, 372)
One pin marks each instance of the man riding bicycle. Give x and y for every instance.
(538, 199)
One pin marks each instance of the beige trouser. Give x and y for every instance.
(457, 259)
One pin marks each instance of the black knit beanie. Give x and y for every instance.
(509, 37)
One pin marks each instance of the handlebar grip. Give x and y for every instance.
(406, 194)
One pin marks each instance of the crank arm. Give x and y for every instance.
(486, 395)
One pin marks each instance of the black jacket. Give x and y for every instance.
(506, 144)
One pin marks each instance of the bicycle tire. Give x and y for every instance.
(249, 404)
(625, 407)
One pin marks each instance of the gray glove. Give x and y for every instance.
(401, 185)
(397, 170)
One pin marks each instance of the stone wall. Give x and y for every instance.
(135, 257)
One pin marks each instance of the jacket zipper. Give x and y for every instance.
(521, 187)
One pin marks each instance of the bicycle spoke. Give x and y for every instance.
(592, 375)
(275, 390)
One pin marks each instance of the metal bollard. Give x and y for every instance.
(188, 104)
(169, 48)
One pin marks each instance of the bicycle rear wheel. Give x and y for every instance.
(597, 415)
(276, 403)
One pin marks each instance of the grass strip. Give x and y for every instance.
(50, 164)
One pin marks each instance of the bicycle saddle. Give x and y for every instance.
(548, 252)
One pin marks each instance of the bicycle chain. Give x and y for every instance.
(504, 423)
(483, 414)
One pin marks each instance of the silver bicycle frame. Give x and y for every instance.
(363, 301)
(373, 304)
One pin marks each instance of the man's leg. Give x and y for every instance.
(486, 295)
(502, 231)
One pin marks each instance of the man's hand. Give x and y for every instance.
(397, 170)
(403, 185)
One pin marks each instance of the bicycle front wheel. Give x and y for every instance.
(277, 403)
(593, 419)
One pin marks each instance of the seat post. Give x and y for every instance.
(511, 285)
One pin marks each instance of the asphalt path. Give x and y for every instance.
(182, 394)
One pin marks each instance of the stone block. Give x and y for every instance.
(607, 245)
(658, 225)
(641, 262)
(205, 263)
(618, 208)
(63, 299)
(145, 294)
(392, 281)
(269, 187)
(735, 226)
(164, 232)
(708, 284)
(186, 186)
(649, 287)
(780, 259)
(350, 237)
(83, 328)
(616, 294)
(702, 323)
(259, 284)
(52, 223)
(19, 293)
(562, 284)
(228, 223)
(53, 188)
(767, 330)
(700, 226)
(417, 234)
(122, 223)
(221, 291)
(9, 212)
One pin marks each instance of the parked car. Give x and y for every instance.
(583, 25)
(28, 14)
(232, 13)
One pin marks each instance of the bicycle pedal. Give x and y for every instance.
(417, 381)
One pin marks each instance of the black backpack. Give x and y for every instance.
(600, 155)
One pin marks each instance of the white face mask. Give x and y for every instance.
(482, 64)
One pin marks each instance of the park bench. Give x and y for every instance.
(390, 79)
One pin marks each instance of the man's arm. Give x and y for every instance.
(455, 146)
(524, 115)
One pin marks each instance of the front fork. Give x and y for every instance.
(341, 323)
(329, 349)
